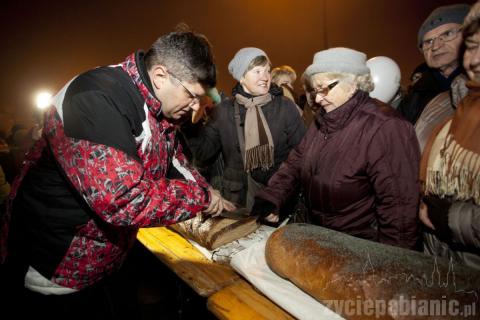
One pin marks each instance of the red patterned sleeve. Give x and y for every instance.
(115, 187)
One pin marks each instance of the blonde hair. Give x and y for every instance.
(284, 71)
(365, 82)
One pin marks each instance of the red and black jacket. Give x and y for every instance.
(97, 175)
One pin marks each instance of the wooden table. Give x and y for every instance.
(242, 301)
(202, 275)
(229, 295)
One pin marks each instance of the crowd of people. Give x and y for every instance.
(118, 144)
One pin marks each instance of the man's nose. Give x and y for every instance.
(195, 106)
(437, 43)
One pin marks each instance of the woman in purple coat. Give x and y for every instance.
(357, 164)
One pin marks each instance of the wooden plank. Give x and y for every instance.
(240, 301)
(201, 274)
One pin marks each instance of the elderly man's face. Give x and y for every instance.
(443, 45)
(471, 58)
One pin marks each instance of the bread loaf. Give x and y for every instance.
(332, 266)
(212, 233)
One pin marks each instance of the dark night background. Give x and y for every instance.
(46, 43)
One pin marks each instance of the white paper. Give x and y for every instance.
(251, 264)
(224, 253)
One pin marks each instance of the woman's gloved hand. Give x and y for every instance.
(437, 210)
(266, 211)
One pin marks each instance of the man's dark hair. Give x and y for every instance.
(187, 55)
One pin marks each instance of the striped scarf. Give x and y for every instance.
(259, 146)
(451, 161)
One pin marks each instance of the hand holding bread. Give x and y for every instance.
(218, 203)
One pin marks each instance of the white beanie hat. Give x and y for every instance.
(343, 60)
(242, 59)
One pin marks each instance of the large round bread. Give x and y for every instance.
(330, 265)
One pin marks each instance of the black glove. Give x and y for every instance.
(263, 208)
(438, 215)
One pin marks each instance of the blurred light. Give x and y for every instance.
(43, 100)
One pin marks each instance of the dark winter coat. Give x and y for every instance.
(423, 91)
(219, 135)
(358, 166)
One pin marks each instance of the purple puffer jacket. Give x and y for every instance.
(358, 167)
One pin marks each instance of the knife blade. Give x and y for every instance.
(237, 214)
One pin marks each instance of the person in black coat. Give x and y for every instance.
(254, 129)
(439, 39)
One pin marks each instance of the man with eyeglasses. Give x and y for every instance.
(439, 39)
(450, 207)
(99, 173)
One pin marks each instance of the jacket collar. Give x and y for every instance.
(337, 119)
(433, 80)
(134, 65)
(274, 91)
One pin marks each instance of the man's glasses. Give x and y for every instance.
(193, 96)
(324, 91)
(447, 36)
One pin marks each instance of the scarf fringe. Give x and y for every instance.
(259, 157)
(457, 173)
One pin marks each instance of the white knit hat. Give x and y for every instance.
(342, 60)
(242, 59)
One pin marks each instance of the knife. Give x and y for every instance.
(237, 214)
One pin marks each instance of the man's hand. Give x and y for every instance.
(218, 203)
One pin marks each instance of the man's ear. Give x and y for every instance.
(158, 75)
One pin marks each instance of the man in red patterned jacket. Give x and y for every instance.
(99, 172)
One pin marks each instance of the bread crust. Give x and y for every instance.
(212, 233)
(330, 265)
